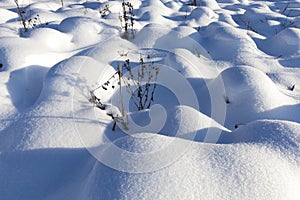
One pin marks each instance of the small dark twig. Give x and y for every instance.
(285, 8)
(292, 88)
(226, 100)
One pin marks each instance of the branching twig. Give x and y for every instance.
(127, 19)
(21, 15)
(248, 25)
(141, 81)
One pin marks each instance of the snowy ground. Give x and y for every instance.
(226, 119)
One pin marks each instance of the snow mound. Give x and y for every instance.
(210, 4)
(248, 94)
(14, 46)
(286, 42)
(159, 37)
(218, 36)
(51, 6)
(218, 168)
(283, 135)
(155, 15)
(39, 127)
(193, 125)
(202, 16)
(259, 18)
(6, 15)
(51, 39)
(83, 30)
(200, 68)
(25, 85)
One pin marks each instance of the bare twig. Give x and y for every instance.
(285, 8)
(248, 25)
(21, 15)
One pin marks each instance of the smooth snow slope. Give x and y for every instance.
(228, 121)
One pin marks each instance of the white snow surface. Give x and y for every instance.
(226, 119)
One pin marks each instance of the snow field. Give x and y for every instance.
(241, 141)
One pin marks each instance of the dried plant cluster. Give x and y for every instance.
(104, 11)
(127, 19)
(140, 84)
(32, 22)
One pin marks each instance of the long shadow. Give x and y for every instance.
(287, 113)
(19, 130)
(263, 132)
(202, 92)
(25, 85)
(56, 173)
(202, 136)
(92, 5)
(163, 96)
(291, 62)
